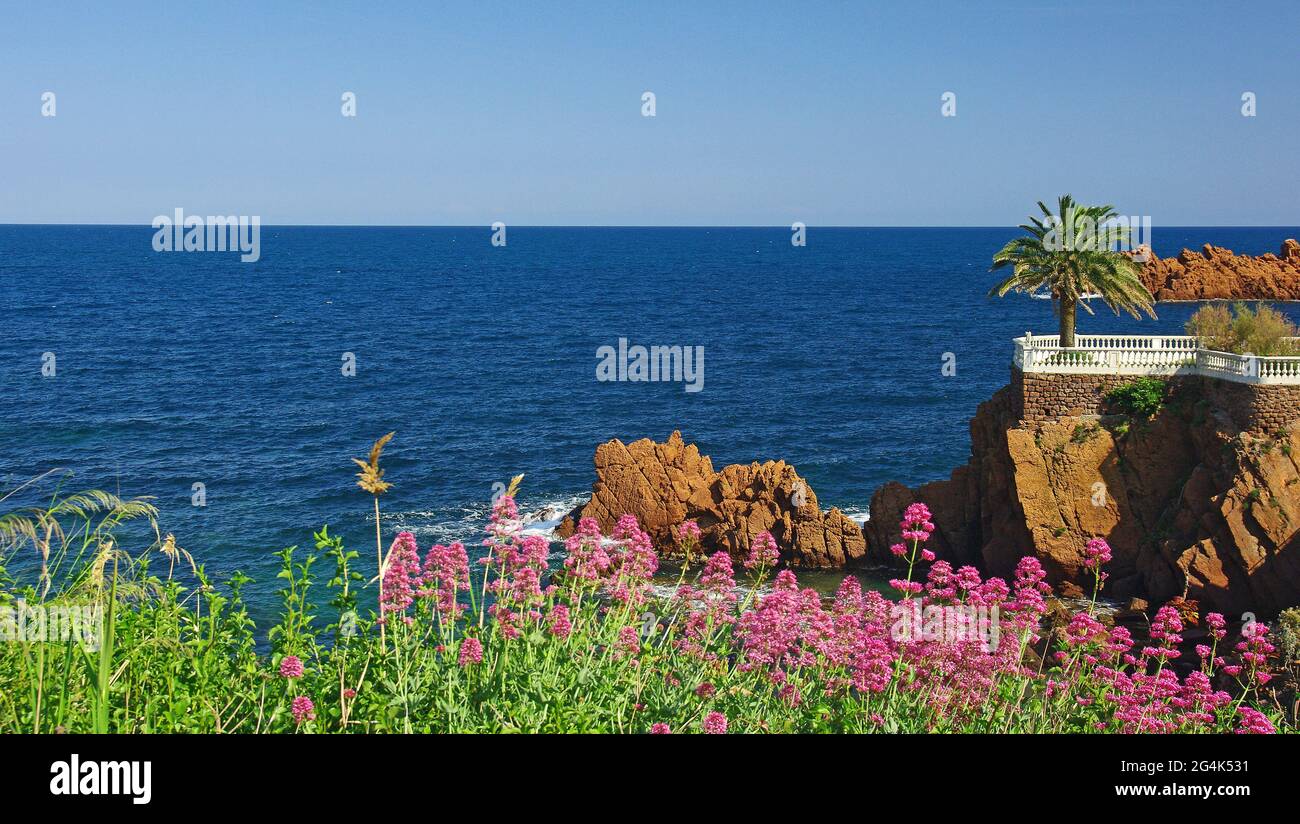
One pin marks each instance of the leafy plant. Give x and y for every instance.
(1140, 399)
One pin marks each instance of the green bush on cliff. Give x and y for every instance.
(1260, 331)
(1140, 399)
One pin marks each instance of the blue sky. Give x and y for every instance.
(530, 113)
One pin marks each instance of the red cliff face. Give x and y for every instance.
(1191, 504)
(663, 484)
(1217, 273)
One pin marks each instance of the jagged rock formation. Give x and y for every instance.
(663, 484)
(1191, 504)
(1216, 273)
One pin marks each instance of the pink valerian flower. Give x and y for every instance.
(471, 652)
(848, 598)
(586, 560)
(1029, 603)
(709, 606)
(1165, 629)
(660, 729)
(1254, 722)
(940, 582)
(689, 531)
(504, 526)
(787, 629)
(763, 552)
(908, 588)
(705, 690)
(1096, 554)
(1254, 649)
(635, 562)
(1143, 703)
(715, 723)
(401, 577)
(1217, 626)
(507, 620)
(1085, 632)
(916, 528)
(717, 588)
(444, 576)
(688, 536)
(916, 523)
(303, 709)
(520, 567)
(629, 641)
(559, 623)
(520, 562)
(1199, 700)
(291, 667)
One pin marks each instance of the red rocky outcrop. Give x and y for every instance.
(1191, 504)
(1216, 273)
(663, 484)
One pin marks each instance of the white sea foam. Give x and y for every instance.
(860, 516)
(543, 520)
(466, 523)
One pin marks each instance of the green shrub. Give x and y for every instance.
(1241, 330)
(1140, 399)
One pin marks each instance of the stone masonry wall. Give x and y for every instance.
(1254, 407)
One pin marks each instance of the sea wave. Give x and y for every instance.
(465, 523)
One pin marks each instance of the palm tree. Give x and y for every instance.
(1069, 255)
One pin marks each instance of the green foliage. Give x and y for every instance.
(1288, 634)
(182, 656)
(1241, 330)
(1140, 399)
(1084, 432)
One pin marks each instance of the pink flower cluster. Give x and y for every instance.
(515, 566)
(709, 606)
(622, 565)
(291, 667)
(443, 575)
(688, 533)
(471, 652)
(802, 646)
(303, 709)
(763, 553)
(1096, 554)
(916, 527)
(715, 723)
(792, 637)
(401, 577)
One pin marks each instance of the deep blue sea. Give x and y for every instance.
(177, 368)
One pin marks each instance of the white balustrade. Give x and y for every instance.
(1154, 355)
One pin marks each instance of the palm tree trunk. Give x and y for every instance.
(1068, 309)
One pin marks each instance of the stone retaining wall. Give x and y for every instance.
(1046, 396)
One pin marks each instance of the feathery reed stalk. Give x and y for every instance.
(371, 479)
